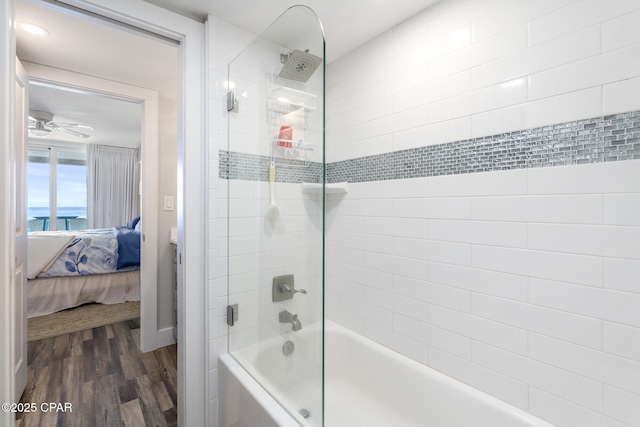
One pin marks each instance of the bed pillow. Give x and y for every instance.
(134, 222)
(128, 248)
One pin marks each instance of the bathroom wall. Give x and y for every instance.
(492, 224)
(225, 41)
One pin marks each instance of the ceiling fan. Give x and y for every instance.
(41, 124)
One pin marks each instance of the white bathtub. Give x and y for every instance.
(366, 384)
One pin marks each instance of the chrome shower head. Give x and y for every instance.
(299, 65)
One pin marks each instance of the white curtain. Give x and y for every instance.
(112, 185)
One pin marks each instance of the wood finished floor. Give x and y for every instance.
(104, 376)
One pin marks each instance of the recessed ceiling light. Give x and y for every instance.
(33, 29)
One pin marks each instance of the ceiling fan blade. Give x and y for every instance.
(72, 132)
(73, 125)
(44, 121)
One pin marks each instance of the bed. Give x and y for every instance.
(70, 268)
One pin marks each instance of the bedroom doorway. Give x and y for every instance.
(95, 92)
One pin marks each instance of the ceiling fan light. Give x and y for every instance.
(39, 131)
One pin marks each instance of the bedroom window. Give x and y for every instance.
(57, 188)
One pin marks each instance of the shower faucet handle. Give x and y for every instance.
(285, 288)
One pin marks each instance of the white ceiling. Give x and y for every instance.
(76, 43)
(347, 23)
(85, 46)
(114, 122)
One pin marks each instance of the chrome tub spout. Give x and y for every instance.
(286, 317)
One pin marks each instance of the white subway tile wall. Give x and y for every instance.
(588, 60)
(523, 270)
(523, 283)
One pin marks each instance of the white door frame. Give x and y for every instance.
(191, 193)
(7, 75)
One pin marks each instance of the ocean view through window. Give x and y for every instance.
(57, 188)
(80, 211)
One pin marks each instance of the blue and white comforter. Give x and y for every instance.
(96, 252)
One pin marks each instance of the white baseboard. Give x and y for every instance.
(165, 337)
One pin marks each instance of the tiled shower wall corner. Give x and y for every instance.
(521, 282)
(225, 41)
(245, 250)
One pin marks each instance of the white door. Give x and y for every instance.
(19, 288)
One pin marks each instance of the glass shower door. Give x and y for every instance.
(275, 223)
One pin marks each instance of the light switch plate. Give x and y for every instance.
(168, 203)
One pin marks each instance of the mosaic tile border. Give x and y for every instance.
(601, 139)
(253, 167)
